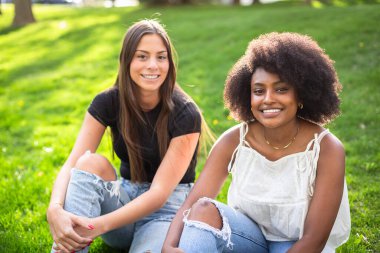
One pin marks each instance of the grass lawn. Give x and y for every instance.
(51, 70)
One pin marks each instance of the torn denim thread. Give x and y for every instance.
(224, 233)
(113, 187)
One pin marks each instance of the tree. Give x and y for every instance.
(23, 13)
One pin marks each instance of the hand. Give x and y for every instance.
(62, 224)
(91, 229)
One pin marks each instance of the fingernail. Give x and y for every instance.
(91, 227)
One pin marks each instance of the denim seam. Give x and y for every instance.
(250, 239)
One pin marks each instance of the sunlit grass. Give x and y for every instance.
(50, 71)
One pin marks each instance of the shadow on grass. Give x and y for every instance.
(10, 29)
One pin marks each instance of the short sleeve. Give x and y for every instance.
(186, 120)
(104, 107)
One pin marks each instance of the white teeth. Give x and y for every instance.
(150, 76)
(271, 110)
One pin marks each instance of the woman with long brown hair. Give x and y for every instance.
(155, 130)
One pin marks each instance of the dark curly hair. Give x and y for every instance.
(297, 60)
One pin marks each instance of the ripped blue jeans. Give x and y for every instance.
(238, 234)
(89, 195)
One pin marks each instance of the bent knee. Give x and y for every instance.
(205, 211)
(96, 164)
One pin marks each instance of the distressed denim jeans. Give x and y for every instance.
(238, 234)
(90, 196)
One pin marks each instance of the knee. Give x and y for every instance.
(205, 211)
(96, 164)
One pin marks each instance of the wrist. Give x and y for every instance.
(55, 206)
(53, 210)
(100, 225)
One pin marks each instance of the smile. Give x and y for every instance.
(151, 76)
(271, 110)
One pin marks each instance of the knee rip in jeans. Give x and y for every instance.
(224, 233)
(113, 187)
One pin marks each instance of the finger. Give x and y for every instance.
(56, 247)
(69, 241)
(61, 248)
(79, 221)
(70, 235)
(72, 245)
(80, 240)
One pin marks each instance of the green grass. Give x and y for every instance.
(50, 71)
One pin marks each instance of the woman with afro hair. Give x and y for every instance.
(288, 191)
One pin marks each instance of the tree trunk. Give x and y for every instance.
(236, 2)
(23, 13)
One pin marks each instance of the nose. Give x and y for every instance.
(268, 97)
(152, 64)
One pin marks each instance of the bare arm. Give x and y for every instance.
(208, 184)
(168, 175)
(88, 138)
(325, 203)
(60, 221)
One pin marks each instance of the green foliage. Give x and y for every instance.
(50, 71)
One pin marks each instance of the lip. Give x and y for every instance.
(150, 76)
(270, 112)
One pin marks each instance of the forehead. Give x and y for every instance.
(261, 76)
(151, 43)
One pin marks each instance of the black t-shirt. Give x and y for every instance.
(184, 119)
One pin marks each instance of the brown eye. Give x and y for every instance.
(258, 91)
(282, 89)
(162, 57)
(141, 57)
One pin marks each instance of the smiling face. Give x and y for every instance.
(150, 65)
(273, 102)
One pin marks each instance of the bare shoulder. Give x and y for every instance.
(330, 143)
(331, 156)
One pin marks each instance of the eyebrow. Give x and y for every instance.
(277, 82)
(160, 52)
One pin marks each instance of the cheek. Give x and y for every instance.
(133, 67)
(165, 67)
(133, 72)
(164, 70)
(254, 101)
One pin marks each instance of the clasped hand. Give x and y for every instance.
(70, 232)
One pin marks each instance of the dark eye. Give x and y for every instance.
(141, 56)
(258, 91)
(282, 89)
(162, 57)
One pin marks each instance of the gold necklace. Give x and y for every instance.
(287, 145)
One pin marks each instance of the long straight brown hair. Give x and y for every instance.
(130, 113)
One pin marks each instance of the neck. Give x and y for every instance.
(149, 101)
(281, 138)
